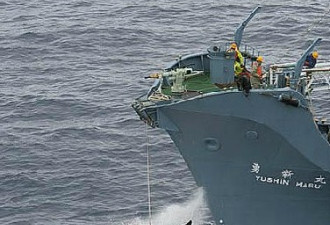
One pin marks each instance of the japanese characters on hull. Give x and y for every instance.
(287, 178)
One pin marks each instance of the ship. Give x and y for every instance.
(261, 155)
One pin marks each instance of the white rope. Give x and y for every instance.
(148, 175)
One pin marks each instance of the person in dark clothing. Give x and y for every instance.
(242, 77)
(311, 59)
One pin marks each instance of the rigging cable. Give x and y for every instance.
(148, 175)
(316, 23)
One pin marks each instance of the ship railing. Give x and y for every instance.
(248, 52)
(280, 75)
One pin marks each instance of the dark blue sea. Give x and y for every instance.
(72, 150)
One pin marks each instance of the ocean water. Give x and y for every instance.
(73, 151)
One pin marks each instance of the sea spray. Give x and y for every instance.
(177, 214)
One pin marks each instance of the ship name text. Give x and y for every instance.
(286, 178)
(273, 180)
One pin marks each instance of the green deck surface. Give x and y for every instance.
(200, 83)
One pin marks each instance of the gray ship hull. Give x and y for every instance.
(260, 156)
(259, 160)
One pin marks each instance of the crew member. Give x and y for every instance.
(242, 77)
(238, 67)
(238, 54)
(311, 59)
(257, 73)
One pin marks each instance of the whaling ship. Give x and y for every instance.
(261, 157)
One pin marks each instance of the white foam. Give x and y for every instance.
(177, 214)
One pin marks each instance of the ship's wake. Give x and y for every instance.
(178, 214)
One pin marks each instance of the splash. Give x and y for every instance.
(178, 214)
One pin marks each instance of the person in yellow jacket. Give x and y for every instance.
(238, 54)
(242, 76)
(238, 68)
